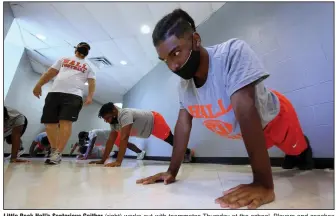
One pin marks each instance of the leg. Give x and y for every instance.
(133, 147)
(162, 131)
(64, 134)
(70, 106)
(50, 118)
(170, 140)
(286, 133)
(52, 133)
(141, 154)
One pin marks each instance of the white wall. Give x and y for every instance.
(20, 97)
(8, 17)
(13, 50)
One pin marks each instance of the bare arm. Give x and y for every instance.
(124, 136)
(109, 145)
(92, 87)
(16, 141)
(89, 150)
(243, 103)
(73, 148)
(181, 139)
(46, 77)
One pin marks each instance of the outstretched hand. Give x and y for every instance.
(251, 195)
(166, 177)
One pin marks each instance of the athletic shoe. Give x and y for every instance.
(21, 152)
(188, 158)
(303, 161)
(141, 155)
(54, 159)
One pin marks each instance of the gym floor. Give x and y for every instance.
(37, 186)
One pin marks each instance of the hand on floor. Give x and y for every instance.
(82, 157)
(19, 161)
(250, 195)
(166, 177)
(97, 162)
(113, 164)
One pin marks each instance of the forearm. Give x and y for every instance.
(73, 149)
(122, 150)
(16, 141)
(108, 149)
(89, 150)
(181, 139)
(45, 78)
(254, 139)
(92, 87)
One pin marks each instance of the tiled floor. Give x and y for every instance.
(77, 185)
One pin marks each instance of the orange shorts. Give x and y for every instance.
(285, 131)
(117, 142)
(160, 130)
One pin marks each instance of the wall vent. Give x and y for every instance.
(101, 62)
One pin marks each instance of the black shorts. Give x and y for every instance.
(9, 137)
(61, 106)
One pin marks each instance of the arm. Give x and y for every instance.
(181, 139)
(32, 147)
(92, 87)
(124, 135)
(73, 148)
(243, 103)
(16, 141)
(46, 77)
(89, 150)
(109, 145)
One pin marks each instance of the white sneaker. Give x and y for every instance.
(141, 155)
(54, 159)
(21, 152)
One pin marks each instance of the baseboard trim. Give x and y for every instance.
(320, 163)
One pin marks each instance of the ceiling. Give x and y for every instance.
(112, 29)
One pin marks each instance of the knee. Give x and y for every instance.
(51, 126)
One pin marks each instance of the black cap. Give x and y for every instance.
(84, 44)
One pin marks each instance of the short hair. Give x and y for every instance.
(175, 23)
(82, 135)
(105, 109)
(45, 141)
(84, 44)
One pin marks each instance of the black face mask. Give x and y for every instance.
(188, 70)
(114, 120)
(83, 50)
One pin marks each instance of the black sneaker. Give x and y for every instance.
(289, 162)
(188, 158)
(305, 159)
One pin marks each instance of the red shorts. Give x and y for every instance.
(284, 131)
(160, 130)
